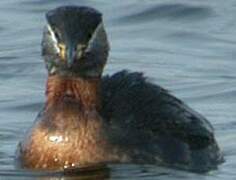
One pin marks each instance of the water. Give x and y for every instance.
(186, 46)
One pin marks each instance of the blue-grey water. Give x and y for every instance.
(188, 47)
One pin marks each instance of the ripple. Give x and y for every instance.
(169, 11)
(14, 69)
(93, 173)
(32, 107)
(220, 97)
(1, 29)
(42, 6)
(7, 58)
(227, 126)
(7, 134)
(47, 2)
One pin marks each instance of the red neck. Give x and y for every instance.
(84, 91)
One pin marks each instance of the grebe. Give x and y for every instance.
(123, 118)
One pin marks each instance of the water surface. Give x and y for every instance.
(186, 46)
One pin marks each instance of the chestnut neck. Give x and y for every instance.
(86, 92)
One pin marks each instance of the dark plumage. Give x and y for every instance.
(121, 118)
(167, 128)
(64, 18)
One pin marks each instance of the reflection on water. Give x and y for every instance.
(96, 175)
(186, 46)
(98, 172)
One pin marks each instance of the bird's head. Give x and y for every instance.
(75, 42)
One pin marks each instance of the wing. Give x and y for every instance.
(128, 98)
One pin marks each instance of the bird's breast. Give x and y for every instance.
(67, 140)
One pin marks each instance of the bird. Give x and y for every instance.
(123, 118)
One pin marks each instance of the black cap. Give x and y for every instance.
(77, 22)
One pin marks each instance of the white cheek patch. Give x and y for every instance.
(53, 38)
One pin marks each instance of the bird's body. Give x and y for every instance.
(121, 118)
(159, 127)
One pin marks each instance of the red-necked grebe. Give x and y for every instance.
(123, 118)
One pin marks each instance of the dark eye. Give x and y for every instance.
(57, 35)
(90, 35)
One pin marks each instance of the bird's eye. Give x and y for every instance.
(90, 35)
(57, 35)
